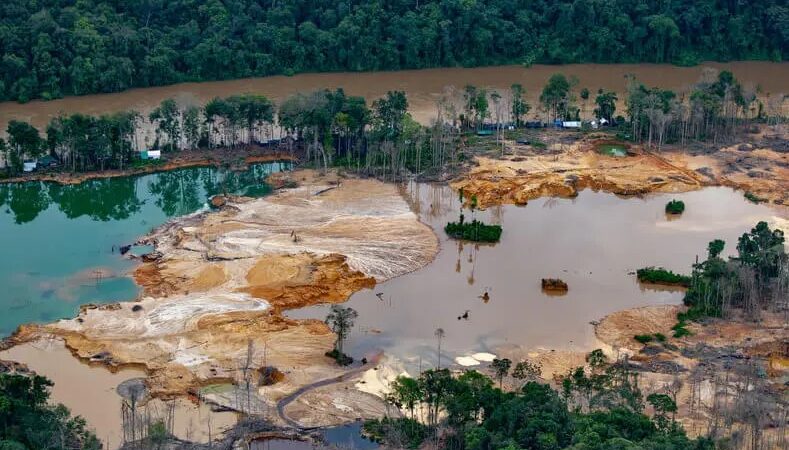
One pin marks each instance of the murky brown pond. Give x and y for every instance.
(90, 391)
(593, 242)
(422, 86)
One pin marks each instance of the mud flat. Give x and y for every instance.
(565, 169)
(223, 279)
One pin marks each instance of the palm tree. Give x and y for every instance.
(439, 335)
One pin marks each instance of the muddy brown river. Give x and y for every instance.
(422, 86)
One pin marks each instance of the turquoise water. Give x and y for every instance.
(57, 241)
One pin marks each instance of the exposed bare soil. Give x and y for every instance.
(566, 167)
(223, 278)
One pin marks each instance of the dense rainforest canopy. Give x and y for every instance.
(52, 48)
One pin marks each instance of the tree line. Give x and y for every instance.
(381, 139)
(598, 408)
(53, 48)
(753, 281)
(329, 127)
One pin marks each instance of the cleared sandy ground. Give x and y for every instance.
(217, 291)
(564, 169)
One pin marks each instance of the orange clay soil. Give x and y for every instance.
(222, 279)
(564, 169)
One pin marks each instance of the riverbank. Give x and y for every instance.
(423, 87)
(570, 162)
(236, 158)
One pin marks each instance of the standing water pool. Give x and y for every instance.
(594, 242)
(60, 243)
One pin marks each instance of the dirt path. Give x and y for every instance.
(285, 401)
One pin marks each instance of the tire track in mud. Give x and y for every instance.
(287, 400)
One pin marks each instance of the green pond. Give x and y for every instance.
(612, 150)
(59, 243)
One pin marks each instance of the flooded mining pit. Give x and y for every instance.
(484, 297)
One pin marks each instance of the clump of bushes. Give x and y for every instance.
(675, 207)
(680, 329)
(647, 338)
(408, 433)
(473, 231)
(692, 314)
(754, 198)
(659, 275)
(341, 358)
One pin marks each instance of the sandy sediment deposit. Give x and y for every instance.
(564, 169)
(704, 370)
(216, 287)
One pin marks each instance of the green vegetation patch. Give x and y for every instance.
(30, 421)
(647, 338)
(341, 358)
(473, 231)
(659, 275)
(675, 207)
(754, 198)
(411, 431)
(469, 411)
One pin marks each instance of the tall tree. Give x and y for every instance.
(23, 142)
(341, 319)
(556, 96)
(168, 125)
(519, 105)
(606, 105)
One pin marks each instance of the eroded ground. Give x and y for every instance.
(218, 282)
(566, 167)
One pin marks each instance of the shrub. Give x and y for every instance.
(341, 358)
(754, 198)
(660, 337)
(675, 207)
(643, 338)
(680, 330)
(660, 275)
(474, 231)
(402, 432)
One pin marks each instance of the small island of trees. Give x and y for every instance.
(675, 207)
(659, 275)
(475, 230)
